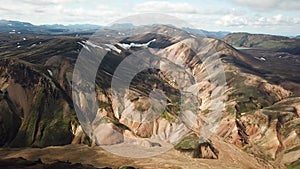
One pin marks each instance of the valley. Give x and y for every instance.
(75, 99)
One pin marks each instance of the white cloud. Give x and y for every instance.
(164, 6)
(231, 20)
(261, 15)
(175, 8)
(257, 21)
(52, 2)
(270, 4)
(57, 11)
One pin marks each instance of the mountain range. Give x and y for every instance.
(83, 29)
(46, 112)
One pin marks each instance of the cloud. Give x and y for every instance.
(57, 11)
(5, 9)
(231, 20)
(269, 4)
(164, 6)
(257, 21)
(175, 8)
(260, 16)
(51, 2)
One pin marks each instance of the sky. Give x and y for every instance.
(279, 17)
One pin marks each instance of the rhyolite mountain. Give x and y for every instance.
(262, 41)
(259, 127)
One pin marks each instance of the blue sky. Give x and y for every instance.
(280, 17)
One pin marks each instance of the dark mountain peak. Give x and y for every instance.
(264, 41)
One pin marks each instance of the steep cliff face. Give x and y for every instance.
(36, 111)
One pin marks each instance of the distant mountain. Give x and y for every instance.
(196, 32)
(263, 41)
(74, 27)
(16, 27)
(201, 32)
(121, 26)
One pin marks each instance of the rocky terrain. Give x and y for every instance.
(257, 127)
(22, 163)
(230, 157)
(261, 41)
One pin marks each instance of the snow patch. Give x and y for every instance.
(50, 72)
(128, 46)
(193, 36)
(92, 44)
(260, 58)
(121, 33)
(83, 45)
(112, 47)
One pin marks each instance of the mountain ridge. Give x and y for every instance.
(260, 116)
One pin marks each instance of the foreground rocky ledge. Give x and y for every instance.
(229, 157)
